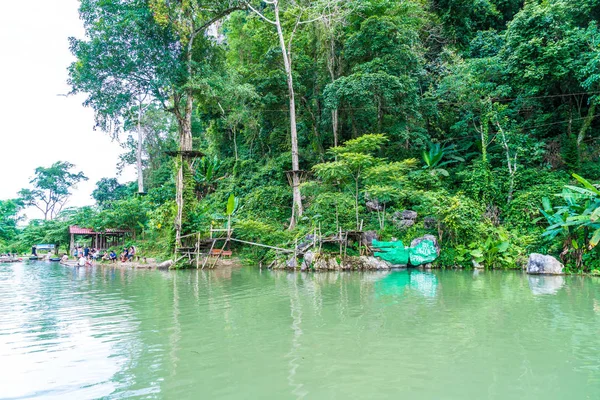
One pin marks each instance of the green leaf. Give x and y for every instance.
(595, 238)
(503, 246)
(587, 184)
(231, 204)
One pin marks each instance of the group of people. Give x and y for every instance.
(86, 257)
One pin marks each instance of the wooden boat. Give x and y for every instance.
(9, 260)
(54, 259)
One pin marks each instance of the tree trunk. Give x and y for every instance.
(586, 124)
(185, 145)
(138, 154)
(331, 67)
(356, 201)
(297, 209)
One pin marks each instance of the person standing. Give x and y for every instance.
(34, 250)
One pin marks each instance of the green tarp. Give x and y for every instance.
(396, 254)
(423, 253)
(392, 252)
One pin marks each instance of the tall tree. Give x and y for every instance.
(51, 188)
(302, 14)
(137, 47)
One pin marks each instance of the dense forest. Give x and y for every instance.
(478, 115)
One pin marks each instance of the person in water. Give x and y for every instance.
(113, 256)
(64, 258)
(82, 261)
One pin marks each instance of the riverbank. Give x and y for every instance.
(154, 264)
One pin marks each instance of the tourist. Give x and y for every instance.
(86, 251)
(34, 251)
(64, 258)
(124, 255)
(113, 256)
(82, 261)
(131, 253)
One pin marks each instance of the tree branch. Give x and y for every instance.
(261, 15)
(217, 17)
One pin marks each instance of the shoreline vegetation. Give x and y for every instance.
(267, 122)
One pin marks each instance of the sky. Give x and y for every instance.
(38, 126)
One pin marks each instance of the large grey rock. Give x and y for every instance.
(545, 284)
(369, 236)
(542, 264)
(326, 263)
(374, 205)
(404, 219)
(291, 263)
(165, 265)
(309, 257)
(409, 214)
(372, 263)
(427, 237)
(429, 223)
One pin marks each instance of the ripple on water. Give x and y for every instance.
(109, 333)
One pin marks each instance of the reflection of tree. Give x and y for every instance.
(294, 355)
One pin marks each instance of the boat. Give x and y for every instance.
(9, 260)
(34, 258)
(54, 259)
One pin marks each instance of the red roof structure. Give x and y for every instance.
(77, 230)
(101, 240)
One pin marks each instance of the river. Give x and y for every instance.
(249, 334)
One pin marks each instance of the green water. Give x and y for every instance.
(246, 334)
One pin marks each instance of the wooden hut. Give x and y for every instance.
(99, 240)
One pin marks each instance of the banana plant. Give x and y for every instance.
(587, 216)
(433, 159)
(207, 176)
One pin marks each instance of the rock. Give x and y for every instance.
(409, 215)
(324, 263)
(404, 219)
(540, 284)
(542, 264)
(404, 223)
(291, 263)
(372, 263)
(373, 205)
(165, 265)
(418, 240)
(308, 260)
(369, 236)
(429, 223)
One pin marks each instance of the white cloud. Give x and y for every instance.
(37, 126)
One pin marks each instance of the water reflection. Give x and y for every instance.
(395, 283)
(545, 284)
(243, 333)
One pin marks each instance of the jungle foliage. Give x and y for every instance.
(475, 114)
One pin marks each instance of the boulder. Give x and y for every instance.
(429, 223)
(374, 205)
(542, 264)
(418, 240)
(369, 236)
(291, 263)
(309, 257)
(372, 263)
(404, 219)
(165, 265)
(326, 264)
(409, 214)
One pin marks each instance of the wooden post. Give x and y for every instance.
(72, 246)
(198, 252)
